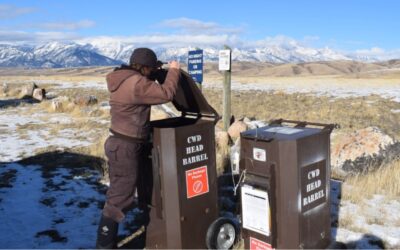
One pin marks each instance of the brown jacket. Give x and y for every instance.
(131, 97)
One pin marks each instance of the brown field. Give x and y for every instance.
(350, 113)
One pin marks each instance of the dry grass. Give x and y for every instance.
(222, 156)
(396, 222)
(96, 149)
(377, 220)
(100, 94)
(84, 122)
(38, 78)
(384, 181)
(350, 113)
(66, 105)
(346, 221)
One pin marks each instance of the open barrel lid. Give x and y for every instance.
(188, 98)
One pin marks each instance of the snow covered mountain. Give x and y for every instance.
(102, 52)
(52, 55)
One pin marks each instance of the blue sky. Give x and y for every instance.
(346, 25)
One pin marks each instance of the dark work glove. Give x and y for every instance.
(159, 75)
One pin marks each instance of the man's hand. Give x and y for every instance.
(173, 65)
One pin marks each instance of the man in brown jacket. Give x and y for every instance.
(132, 93)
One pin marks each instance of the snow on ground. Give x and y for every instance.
(17, 143)
(379, 217)
(339, 88)
(329, 87)
(63, 84)
(61, 209)
(51, 209)
(371, 224)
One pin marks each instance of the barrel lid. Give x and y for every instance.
(279, 132)
(188, 98)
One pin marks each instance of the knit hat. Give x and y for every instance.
(145, 57)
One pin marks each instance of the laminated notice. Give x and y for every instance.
(256, 210)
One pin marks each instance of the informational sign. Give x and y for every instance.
(224, 60)
(195, 65)
(256, 210)
(259, 154)
(313, 186)
(256, 244)
(196, 182)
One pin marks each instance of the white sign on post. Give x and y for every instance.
(224, 59)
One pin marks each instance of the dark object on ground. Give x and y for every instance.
(107, 233)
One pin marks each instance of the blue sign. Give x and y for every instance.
(195, 65)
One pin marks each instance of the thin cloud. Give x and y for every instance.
(194, 26)
(375, 53)
(175, 40)
(179, 41)
(279, 40)
(7, 36)
(371, 51)
(11, 11)
(82, 24)
(310, 39)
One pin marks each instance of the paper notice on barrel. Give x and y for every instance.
(256, 211)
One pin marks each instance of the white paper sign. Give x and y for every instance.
(224, 60)
(259, 154)
(256, 211)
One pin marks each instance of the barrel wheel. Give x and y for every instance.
(221, 234)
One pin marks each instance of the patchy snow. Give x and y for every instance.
(17, 141)
(395, 111)
(372, 224)
(319, 88)
(60, 212)
(16, 146)
(81, 84)
(64, 205)
(62, 209)
(338, 88)
(27, 129)
(64, 84)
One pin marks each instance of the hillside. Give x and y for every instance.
(351, 69)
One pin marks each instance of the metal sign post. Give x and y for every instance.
(195, 66)
(225, 65)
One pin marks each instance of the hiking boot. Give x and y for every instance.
(107, 233)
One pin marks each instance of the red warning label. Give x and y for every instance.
(259, 245)
(196, 182)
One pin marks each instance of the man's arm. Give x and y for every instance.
(150, 92)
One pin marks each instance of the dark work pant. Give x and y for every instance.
(128, 168)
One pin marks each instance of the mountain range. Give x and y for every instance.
(104, 53)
